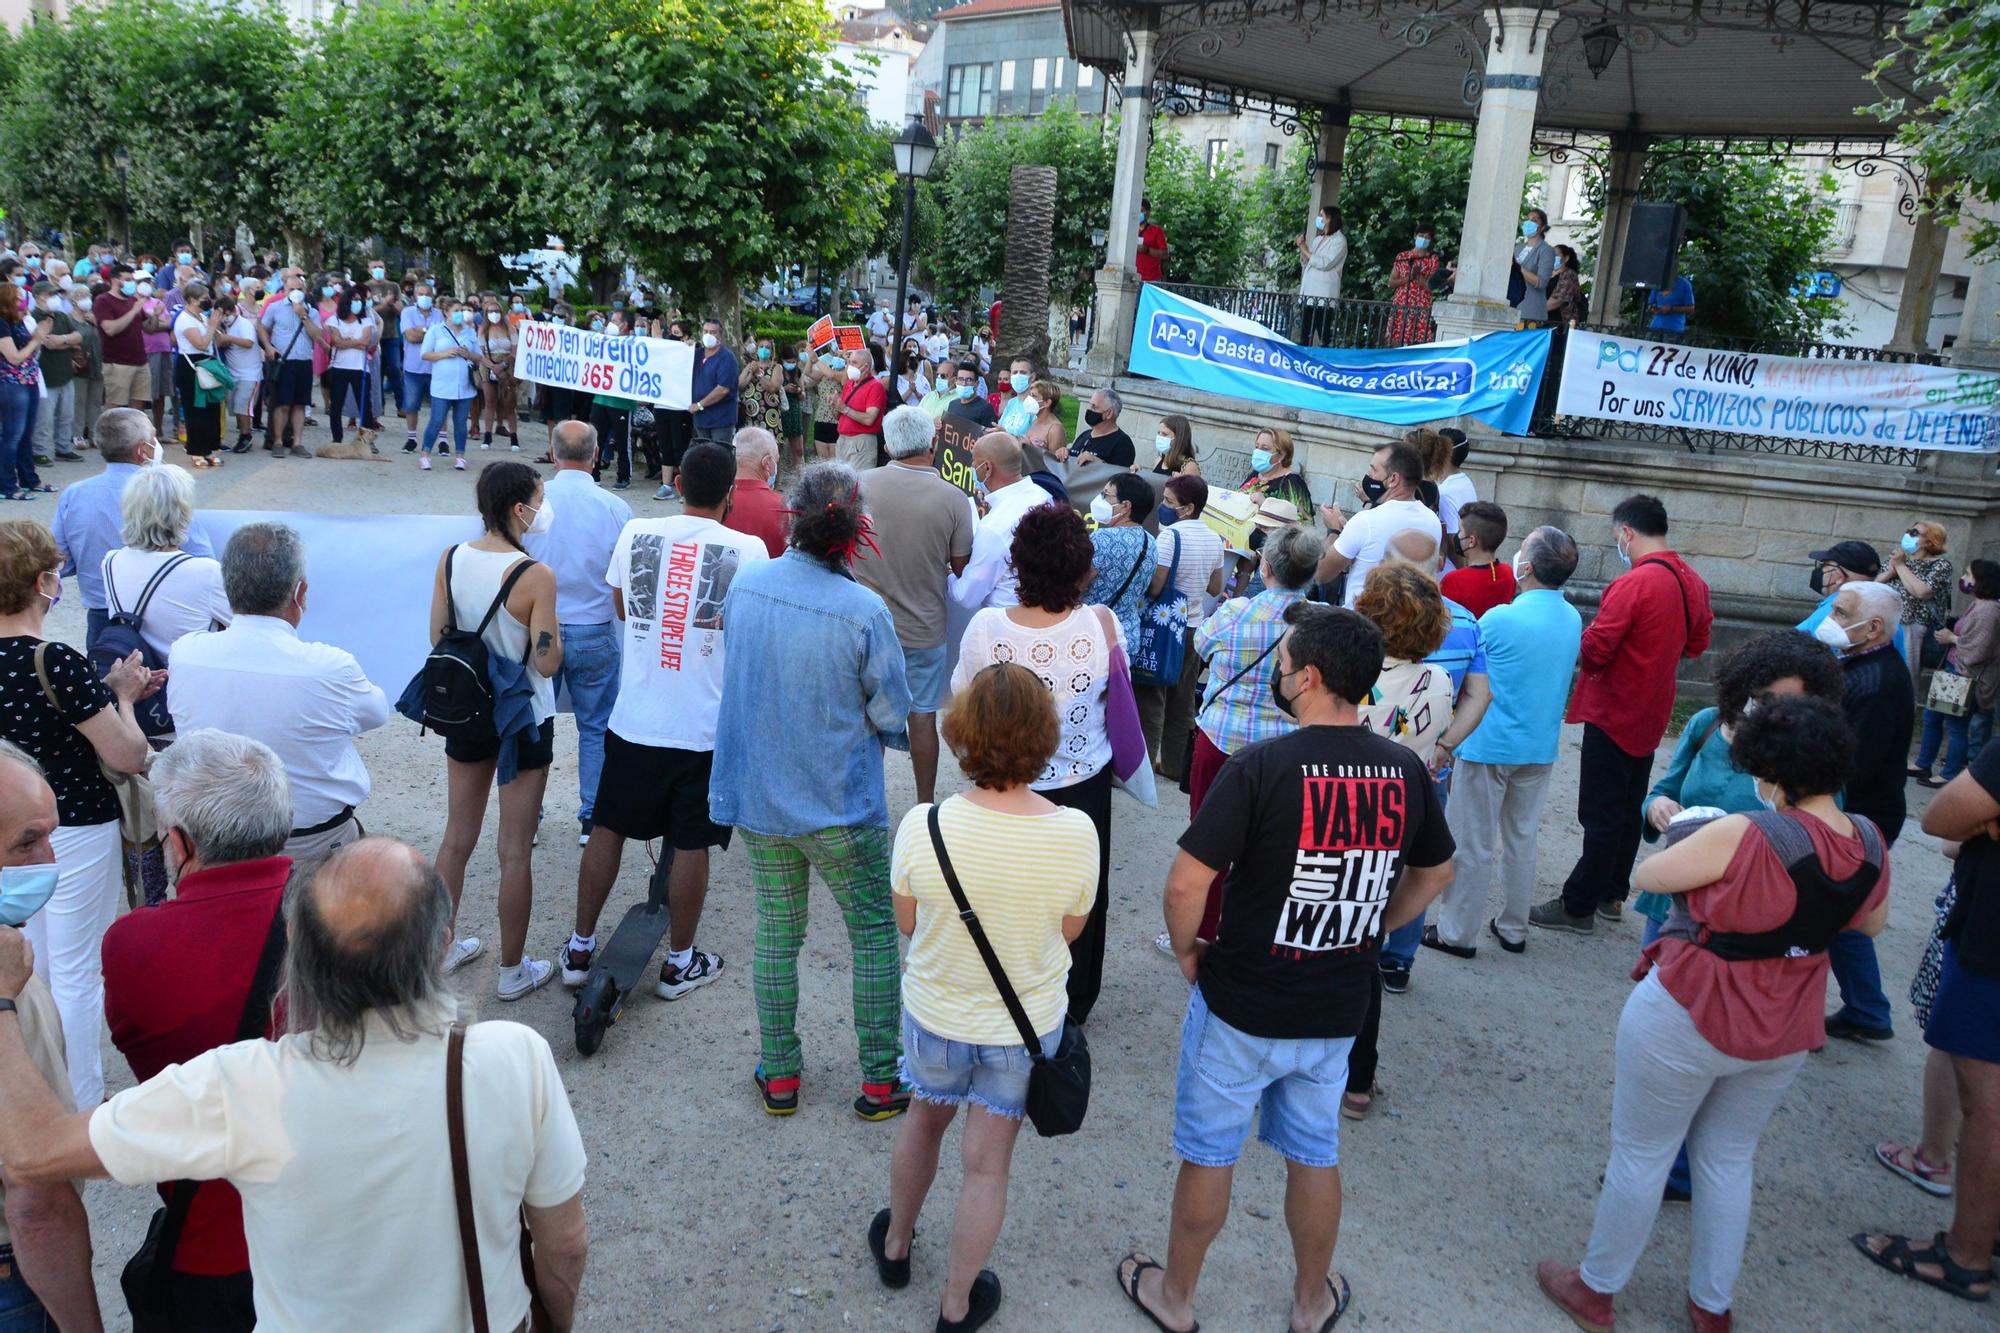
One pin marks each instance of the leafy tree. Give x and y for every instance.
(1956, 132)
(1207, 213)
(1391, 184)
(1278, 201)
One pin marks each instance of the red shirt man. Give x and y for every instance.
(759, 511)
(1651, 616)
(1152, 258)
(1480, 588)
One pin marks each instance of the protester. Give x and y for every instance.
(306, 701)
(1173, 452)
(1500, 774)
(55, 422)
(180, 978)
(1102, 440)
(415, 323)
(1389, 489)
(1729, 1005)
(755, 507)
(1016, 411)
(293, 329)
(496, 344)
(1833, 569)
(1279, 995)
(363, 987)
(69, 726)
(89, 380)
(242, 353)
(1027, 868)
(924, 526)
(1434, 449)
(988, 577)
(1481, 582)
(1122, 551)
(1972, 649)
(1922, 577)
(353, 331)
(121, 333)
(20, 393)
(1322, 257)
(1880, 702)
(771, 780)
(1046, 431)
(1670, 306)
(492, 581)
(1646, 626)
(1188, 558)
(1410, 278)
(862, 402)
(451, 349)
(611, 418)
(967, 406)
(1271, 473)
(158, 508)
(577, 547)
(1535, 263)
(1151, 260)
(716, 373)
(1928, 1162)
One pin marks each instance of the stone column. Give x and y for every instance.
(1621, 191)
(1978, 344)
(1920, 276)
(1331, 153)
(1118, 280)
(1517, 40)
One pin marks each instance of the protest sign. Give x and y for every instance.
(1894, 403)
(651, 370)
(953, 450)
(850, 337)
(820, 333)
(1231, 515)
(1493, 378)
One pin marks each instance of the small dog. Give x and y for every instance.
(359, 446)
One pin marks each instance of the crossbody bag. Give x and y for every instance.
(461, 1188)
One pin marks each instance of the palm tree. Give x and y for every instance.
(1024, 313)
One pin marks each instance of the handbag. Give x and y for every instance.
(461, 1187)
(1059, 1084)
(1131, 766)
(1950, 693)
(134, 790)
(1162, 648)
(147, 1276)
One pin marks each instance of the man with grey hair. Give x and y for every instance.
(1103, 440)
(757, 508)
(199, 971)
(298, 1127)
(924, 525)
(1500, 779)
(258, 678)
(89, 521)
(583, 529)
(54, 423)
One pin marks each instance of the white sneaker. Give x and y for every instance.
(458, 464)
(1164, 943)
(678, 981)
(424, 462)
(462, 951)
(532, 976)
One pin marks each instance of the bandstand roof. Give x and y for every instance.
(1793, 69)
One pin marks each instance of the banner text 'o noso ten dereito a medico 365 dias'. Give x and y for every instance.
(1493, 378)
(646, 370)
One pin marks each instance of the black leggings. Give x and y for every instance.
(338, 385)
(613, 439)
(1361, 1057)
(204, 424)
(1086, 951)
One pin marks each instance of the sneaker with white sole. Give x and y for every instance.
(532, 976)
(424, 463)
(576, 966)
(678, 981)
(462, 951)
(458, 464)
(1164, 943)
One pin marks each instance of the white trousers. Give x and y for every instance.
(1673, 1086)
(68, 936)
(1496, 811)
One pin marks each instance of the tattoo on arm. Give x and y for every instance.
(544, 643)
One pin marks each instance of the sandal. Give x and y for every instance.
(1343, 1296)
(1900, 1259)
(19, 495)
(1129, 1284)
(1908, 1162)
(1357, 1105)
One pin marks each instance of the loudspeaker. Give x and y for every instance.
(1653, 246)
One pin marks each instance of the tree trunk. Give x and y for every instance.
(1024, 314)
(722, 301)
(468, 272)
(304, 249)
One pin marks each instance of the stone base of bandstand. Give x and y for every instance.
(1744, 520)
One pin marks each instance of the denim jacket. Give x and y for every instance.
(812, 689)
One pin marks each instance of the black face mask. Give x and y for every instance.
(1817, 580)
(1092, 417)
(1278, 695)
(1374, 489)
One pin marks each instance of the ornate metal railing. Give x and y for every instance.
(1314, 320)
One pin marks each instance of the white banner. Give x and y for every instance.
(651, 370)
(1890, 403)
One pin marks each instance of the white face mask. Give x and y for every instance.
(1100, 510)
(1522, 568)
(854, 372)
(1834, 635)
(708, 340)
(1162, 443)
(543, 516)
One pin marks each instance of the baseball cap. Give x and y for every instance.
(1857, 556)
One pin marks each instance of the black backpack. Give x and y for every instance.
(120, 638)
(457, 699)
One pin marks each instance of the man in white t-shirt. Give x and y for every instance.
(1355, 545)
(243, 353)
(668, 577)
(298, 1125)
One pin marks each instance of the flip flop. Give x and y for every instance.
(1140, 1264)
(1900, 1259)
(1343, 1296)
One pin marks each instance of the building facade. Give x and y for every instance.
(879, 49)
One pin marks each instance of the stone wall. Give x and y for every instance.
(1745, 521)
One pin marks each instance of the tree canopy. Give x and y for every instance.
(1957, 135)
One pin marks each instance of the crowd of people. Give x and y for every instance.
(1364, 704)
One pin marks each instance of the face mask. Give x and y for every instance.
(354, 307)
(146, 270)
(1162, 443)
(790, 365)
(1101, 511)
(543, 517)
(152, 460)
(763, 354)
(597, 326)
(458, 318)
(1530, 227)
(854, 372)
(1558, 264)
(296, 297)
(24, 890)
(1167, 515)
(1093, 417)
(33, 261)
(184, 257)
(1834, 635)
(964, 391)
(1458, 453)
(424, 302)
(21, 282)
(1142, 217)
(1522, 568)
(832, 362)
(328, 291)
(1019, 383)
(1260, 459)
(708, 340)
(1374, 489)
(145, 288)
(1319, 224)
(493, 317)
(83, 303)
(1278, 694)
(55, 600)
(1817, 580)
(1909, 543)
(1423, 243)
(1624, 556)
(1762, 799)
(520, 309)
(128, 288)
(377, 273)
(617, 305)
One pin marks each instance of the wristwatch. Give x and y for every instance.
(7, 1006)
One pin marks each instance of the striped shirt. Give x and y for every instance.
(1022, 874)
(1463, 651)
(1237, 709)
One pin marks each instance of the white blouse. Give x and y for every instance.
(1073, 658)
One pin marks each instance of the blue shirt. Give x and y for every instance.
(1531, 649)
(712, 373)
(816, 763)
(413, 353)
(89, 524)
(1463, 651)
(1820, 612)
(451, 378)
(1681, 293)
(577, 546)
(285, 323)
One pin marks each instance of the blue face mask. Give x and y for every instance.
(354, 307)
(328, 291)
(964, 390)
(763, 354)
(1019, 383)
(1909, 543)
(791, 365)
(128, 288)
(23, 891)
(597, 326)
(458, 317)
(1260, 459)
(423, 303)
(1167, 516)
(1530, 227)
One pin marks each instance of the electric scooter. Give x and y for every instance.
(624, 962)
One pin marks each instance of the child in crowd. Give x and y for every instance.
(1484, 582)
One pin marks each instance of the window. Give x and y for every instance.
(1056, 78)
(1040, 77)
(1218, 153)
(1006, 76)
(968, 91)
(1270, 157)
(1085, 75)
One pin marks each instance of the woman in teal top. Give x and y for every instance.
(1781, 662)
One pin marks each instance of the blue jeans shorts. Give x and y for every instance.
(1292, 1084)
(414, 391)
(951, 1073)
(924, 669)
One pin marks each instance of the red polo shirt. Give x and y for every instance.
(1651, 616)
(176, 978)
(760, 511)
(1152, 268)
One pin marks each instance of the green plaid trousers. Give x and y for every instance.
(854, 862)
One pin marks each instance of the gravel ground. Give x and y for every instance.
(1482, 1157)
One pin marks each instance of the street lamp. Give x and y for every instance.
(123, 161)
(915, 151)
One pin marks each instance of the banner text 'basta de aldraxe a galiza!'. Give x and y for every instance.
(1893, 403)
(649, 370)
(1493, 378)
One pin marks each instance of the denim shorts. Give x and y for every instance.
(414, 389)
(923, 668)
(952, 1073)
(1293, 1084)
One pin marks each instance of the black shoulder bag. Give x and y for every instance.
(148, 1275)
(1058, 1085)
